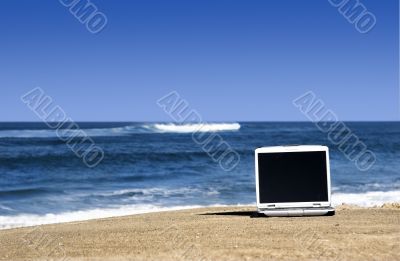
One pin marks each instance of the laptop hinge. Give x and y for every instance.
(316, 205)
(271, 206)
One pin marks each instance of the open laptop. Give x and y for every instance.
(293, 181)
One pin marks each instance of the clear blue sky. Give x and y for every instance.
(231, 60)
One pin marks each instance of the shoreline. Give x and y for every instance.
(123, 212)
(213, 233)
(92, 215)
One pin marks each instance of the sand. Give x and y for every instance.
(213, 234)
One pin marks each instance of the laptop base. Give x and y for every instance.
(297, 212)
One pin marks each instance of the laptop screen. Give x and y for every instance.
(292, 177)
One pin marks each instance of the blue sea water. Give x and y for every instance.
(157, 166)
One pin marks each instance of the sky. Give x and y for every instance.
(231, 60)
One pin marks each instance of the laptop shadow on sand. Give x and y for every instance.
(251, 214)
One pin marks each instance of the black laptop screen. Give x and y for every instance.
(292, 177)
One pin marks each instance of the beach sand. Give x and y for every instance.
(224, 233)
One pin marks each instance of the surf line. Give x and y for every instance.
(66, 129)
(179, 110)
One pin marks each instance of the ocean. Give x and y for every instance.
(157, 166)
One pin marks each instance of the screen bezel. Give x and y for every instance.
(289, 149)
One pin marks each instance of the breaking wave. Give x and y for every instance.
(367, 199)
(121, 131)
(187, 128)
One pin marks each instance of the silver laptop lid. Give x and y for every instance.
(292, 176)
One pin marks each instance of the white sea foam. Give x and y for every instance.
(367, 199)
(153, 191)
(25, 220)
(27, 134)
(154, 194)
(121, 131)
(188, 128)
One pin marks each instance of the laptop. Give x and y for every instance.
(293, 181)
